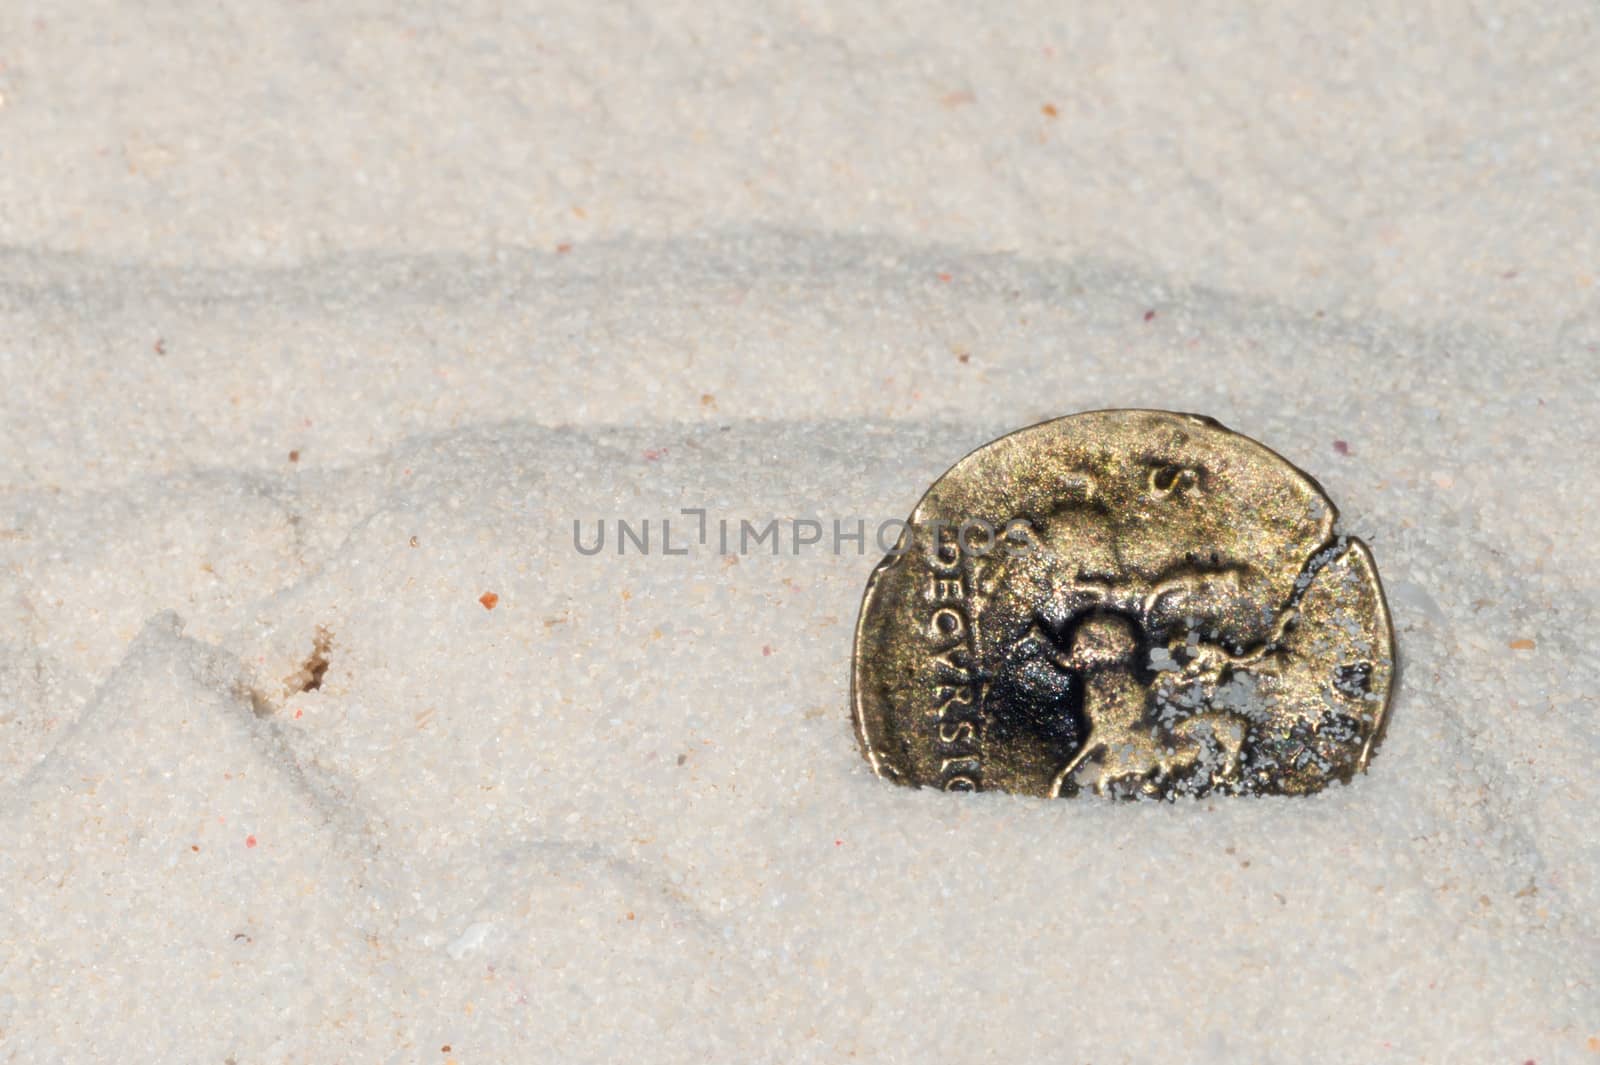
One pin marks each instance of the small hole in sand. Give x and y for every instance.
(308, 678)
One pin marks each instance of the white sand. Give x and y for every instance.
(815, 256)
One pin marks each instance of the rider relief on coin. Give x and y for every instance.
(1134, 603)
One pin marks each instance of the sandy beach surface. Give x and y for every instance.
(321, 325)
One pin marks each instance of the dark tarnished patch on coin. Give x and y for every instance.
(1137, 603)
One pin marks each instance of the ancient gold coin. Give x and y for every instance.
(1135, 603)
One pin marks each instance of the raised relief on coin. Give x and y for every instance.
(1134, 603)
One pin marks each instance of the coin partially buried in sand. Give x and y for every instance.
(1136, 603)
